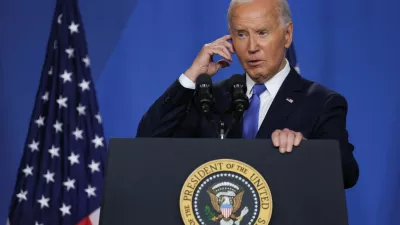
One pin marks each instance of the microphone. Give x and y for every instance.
(204, 91)
(240, 101)
(205, 98)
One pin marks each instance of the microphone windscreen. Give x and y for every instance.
(203, 79)
(238, 80)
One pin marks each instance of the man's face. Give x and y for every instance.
(259, 39)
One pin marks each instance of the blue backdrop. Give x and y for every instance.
(138, 48)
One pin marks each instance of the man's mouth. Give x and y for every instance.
(254, 63)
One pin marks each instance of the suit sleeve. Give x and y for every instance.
(173, 114)
(332, 125)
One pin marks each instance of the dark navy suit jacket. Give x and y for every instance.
(316, 111)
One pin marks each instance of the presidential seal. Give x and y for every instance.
(225, 192)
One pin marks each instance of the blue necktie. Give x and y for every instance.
(250, 118)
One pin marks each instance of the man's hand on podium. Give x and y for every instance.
(285, 139)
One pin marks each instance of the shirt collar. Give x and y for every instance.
(272, 84)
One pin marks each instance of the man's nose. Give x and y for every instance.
(253, 45)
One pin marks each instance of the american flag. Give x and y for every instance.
(60, 176)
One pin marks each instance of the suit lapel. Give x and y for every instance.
(288, 96)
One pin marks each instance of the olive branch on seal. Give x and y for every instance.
(208, 212)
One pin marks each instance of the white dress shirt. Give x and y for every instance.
(266, 97)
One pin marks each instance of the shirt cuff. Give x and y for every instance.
(186, 82)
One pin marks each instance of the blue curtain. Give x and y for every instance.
(138, 48)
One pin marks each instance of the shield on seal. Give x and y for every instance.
(226, 210)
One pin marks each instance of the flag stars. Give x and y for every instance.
(44, 202)
(49, 177)
(73, 158)
(45, 97)
(94, 166)
(86, 60)
(98, 142)
(28, 171)
(62, 102)
(84, 85)
(73, 27)
(78, 134)
(34, 146)
(65, 209)
(58, 126)
(98, 117)
(37, 223)
(59, 21)
(50, 71)
(70, 51)
(54, 151)
(66, 76)
(22, 196)
(90, 191)
(81, 109)
(69, 184)
(40, 121)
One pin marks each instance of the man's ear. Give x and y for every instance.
(288, 34)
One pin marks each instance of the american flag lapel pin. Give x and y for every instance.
(289, 100)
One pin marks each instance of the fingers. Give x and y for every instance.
(220, 50)
(225, 42)
(298, 138)
(204, 63)
(275, 138)
(286, 139)
(289, 141)
(228, 45)
(223, 45)
(282, 142)
(225, 38)
(226, 51)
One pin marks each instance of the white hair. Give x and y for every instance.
(284, 9)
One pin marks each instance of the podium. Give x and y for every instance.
(233, 181)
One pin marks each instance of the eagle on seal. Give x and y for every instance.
(226, 199)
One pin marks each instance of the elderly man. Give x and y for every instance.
(285, 107)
